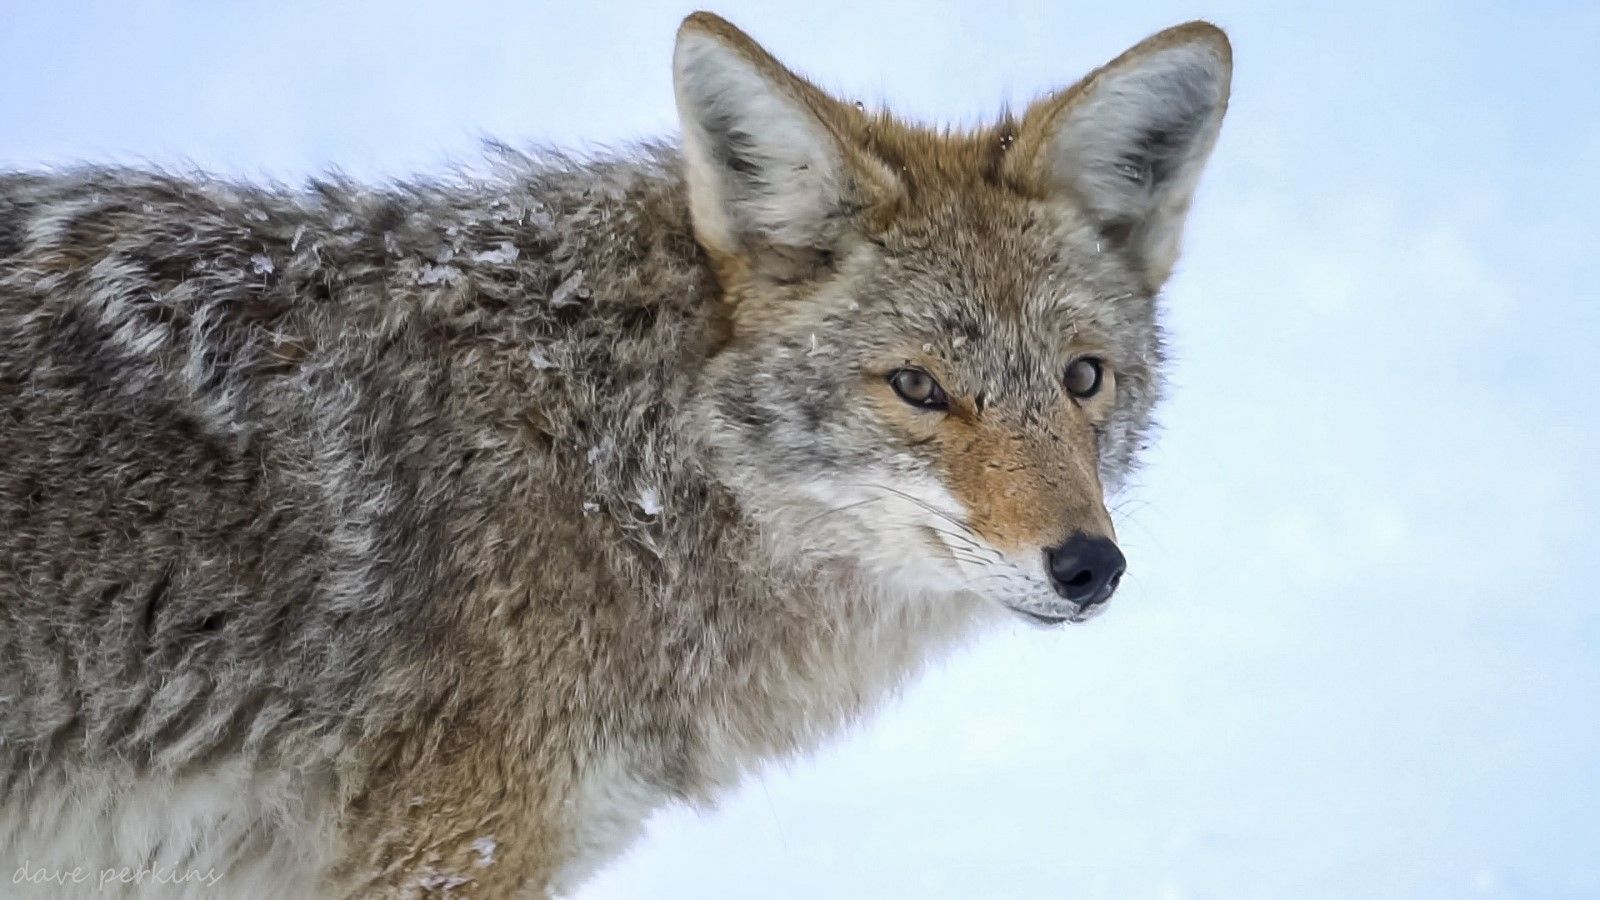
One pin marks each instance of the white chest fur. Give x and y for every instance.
(609, 810)
(223, 833)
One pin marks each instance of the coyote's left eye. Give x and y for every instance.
(1083, 377)
(918, 388)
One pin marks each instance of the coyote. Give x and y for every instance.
(420, 540)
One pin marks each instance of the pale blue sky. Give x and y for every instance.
(1359, 651)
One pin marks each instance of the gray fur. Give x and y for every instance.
(247, 431)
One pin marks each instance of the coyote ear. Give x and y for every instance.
(1129, 141)
(768, 176)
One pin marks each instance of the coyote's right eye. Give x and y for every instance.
(918, 388)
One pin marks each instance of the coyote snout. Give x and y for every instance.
(1085, 570)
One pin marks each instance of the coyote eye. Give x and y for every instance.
(1083, 377)
(918, 388)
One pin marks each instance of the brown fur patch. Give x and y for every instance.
(1024, 489)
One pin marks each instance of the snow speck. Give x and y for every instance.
(485, 847)
(572, 285)
(442, 881)
(590, 507)
(499, 256)
(430, 274)
(342, 221)
(541, 359)
(261, 264)
(606, 447)
(257, 215)
(649, 500)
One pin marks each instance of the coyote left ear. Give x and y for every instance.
(1129, 141)
(770, 181)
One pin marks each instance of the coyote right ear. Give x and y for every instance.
(769, 177)
(1129, 141)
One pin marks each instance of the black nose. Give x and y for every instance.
(1085, 569)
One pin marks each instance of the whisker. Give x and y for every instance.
(839, 509)
(964, 542)
(922, 503)
(968, 558)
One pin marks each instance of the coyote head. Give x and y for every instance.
(942, 347)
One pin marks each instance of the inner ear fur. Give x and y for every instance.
(775, 183)
(1127, 143)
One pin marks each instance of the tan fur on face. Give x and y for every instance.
(1025, 489)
